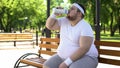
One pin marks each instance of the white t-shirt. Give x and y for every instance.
(69, 38)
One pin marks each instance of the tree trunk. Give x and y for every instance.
(111, 25)
(119, 29)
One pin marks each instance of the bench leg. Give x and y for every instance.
(14, 43)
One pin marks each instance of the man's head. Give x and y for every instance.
(76, 10)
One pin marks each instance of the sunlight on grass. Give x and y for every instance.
(106, 37)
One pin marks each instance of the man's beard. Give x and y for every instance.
(71, 18)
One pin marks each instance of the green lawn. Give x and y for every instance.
(107, 37)
(104, 37)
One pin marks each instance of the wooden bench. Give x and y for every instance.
(53, 44)
(16, 37)
(109, 52)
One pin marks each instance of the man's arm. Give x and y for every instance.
(85, 44)
(52, 23)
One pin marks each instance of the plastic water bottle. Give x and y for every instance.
(60, 10)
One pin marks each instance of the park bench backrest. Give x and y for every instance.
(48, 46)
(109, 52)
(7, 37)
(24, 36)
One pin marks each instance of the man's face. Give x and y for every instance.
(72, 13)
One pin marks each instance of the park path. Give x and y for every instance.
(9, 57)
(9, 54)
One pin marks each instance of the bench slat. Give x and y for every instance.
(48, 46)
(47, 52)
(7, 37)
(50, 39)
(109, 61)
(24, 36)
(37, 62)
(19, 40)
(106, 43)
(109, 52)
(6, 40)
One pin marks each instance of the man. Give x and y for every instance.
(76, 48)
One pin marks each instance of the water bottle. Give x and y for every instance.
(60, 10)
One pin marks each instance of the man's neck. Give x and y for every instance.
(73, 23)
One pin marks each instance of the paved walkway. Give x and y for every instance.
(9, 55)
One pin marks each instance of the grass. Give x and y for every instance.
(104, 36)
(107, 37)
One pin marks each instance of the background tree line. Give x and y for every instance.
(109, 14)
(32, 13)
(22, 14)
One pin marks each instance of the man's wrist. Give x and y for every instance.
(68, 61)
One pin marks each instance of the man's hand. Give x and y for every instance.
(63, 65)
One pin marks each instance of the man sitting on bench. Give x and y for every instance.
(76, 48)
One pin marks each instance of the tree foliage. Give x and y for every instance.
(21, 13)
(32, 13)
(109, 13)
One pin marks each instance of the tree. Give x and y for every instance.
(13, 14)
(109, 13)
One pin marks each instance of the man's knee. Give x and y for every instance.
(45, 65)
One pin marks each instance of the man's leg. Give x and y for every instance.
(53, 62)
(85, 62)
